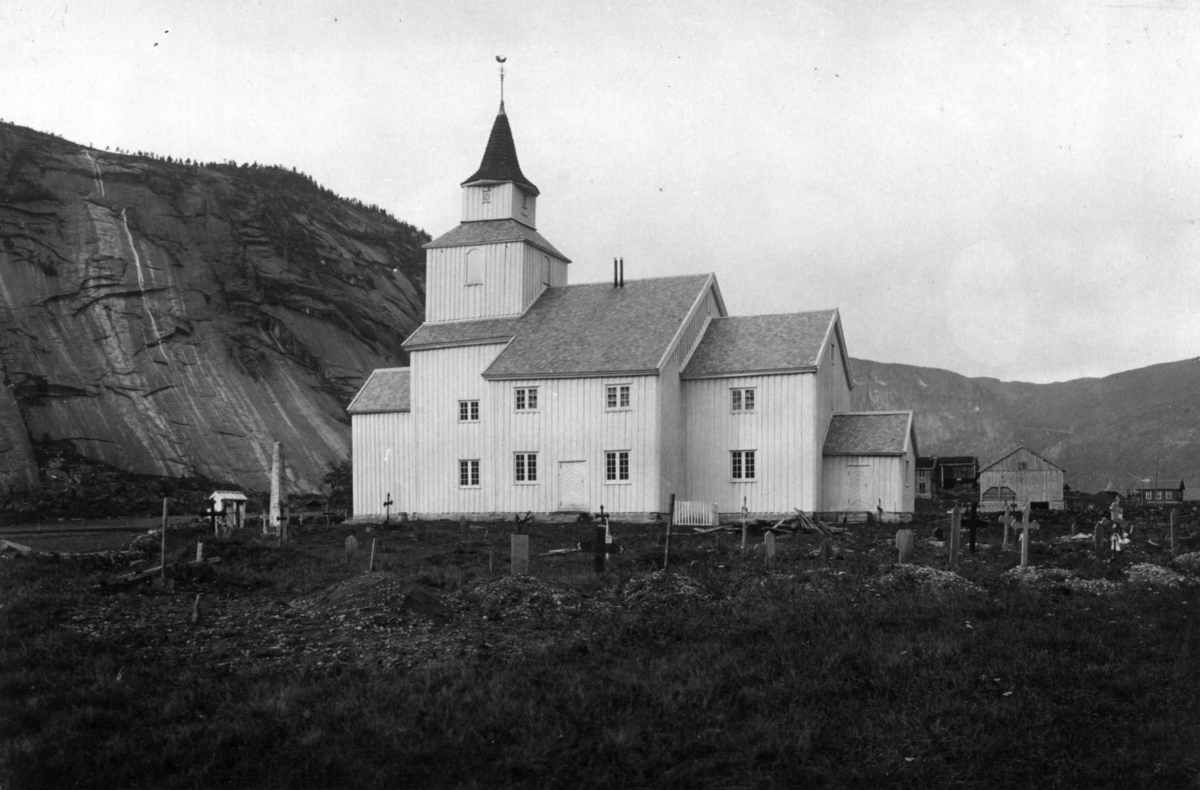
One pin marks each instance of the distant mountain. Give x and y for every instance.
(177, 319)
(1102, 431)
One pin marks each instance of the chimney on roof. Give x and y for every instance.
(622, 272)
(615, 273)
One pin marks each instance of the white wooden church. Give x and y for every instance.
(526, 393)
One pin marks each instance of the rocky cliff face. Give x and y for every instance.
(174, 319)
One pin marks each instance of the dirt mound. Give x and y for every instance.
(524, 597)
(926, 577)
(663, 590)
(1157, 576)
(376, 598)
(1188, 563)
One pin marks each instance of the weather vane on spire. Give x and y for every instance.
(500, 59)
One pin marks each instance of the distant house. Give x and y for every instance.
(870, 464)
(1019, 478)
(1161, 496)
(953, 470)
(925, 467)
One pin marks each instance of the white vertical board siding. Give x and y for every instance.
(573, 424)
(1040, 481)
(537, 265)
(832, 396)
(382, 459)
(778, 430)
(883, 477)
(672, 422)
(441, 378)
(449, 298)
(505, 203)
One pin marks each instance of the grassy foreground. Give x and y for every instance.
(792, 676)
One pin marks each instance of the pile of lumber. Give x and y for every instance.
(802, 522)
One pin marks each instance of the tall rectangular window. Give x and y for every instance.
(526, 399)
(468, 473)
(468, 411)
(616, 396)
(742, 466)
(525, 468)
(487, 194)
(474, 273)
(616, 466)
(741, 399)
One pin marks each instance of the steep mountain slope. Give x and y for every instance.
(175, 319)
(1101, 431)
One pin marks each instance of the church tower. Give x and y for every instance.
(494, 264)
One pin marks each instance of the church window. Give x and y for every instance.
(525, 468)
(741, 399)
(468, 411)
(616, 466)
(468, 473)
(474, 275)
(524, 205)
(487, 194)
(526, 399)
(616, 396)
(545, 270)
(742, 466)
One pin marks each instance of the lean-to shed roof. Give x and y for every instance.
(869, 433)
(387, 389)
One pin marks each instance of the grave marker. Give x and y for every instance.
(602, 545)
(520, 554)
(199, 552)
(904, 545)
(1007, 520)
(351, 549)
(272, 523)
(667, 541)
(974, 524)
(1175, 530)
(1025, 527)
(955, 534)
(769, 545)
(745, 512)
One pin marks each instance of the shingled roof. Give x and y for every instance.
(493, 231)
(461, 333)
(579, 330)
(869, 433)
(500, 157)
(760, 344)
(599, 329)
(387, 389)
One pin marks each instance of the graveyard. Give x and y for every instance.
(531, 653)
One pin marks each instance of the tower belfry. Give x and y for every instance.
(494, 263)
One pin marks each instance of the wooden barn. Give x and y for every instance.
(871, 464)
(527, 393)
(1018, 478)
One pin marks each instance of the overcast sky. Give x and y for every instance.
(1009, 192)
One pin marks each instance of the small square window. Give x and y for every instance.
(525, 467)
(526, 399)
(487, 194)
(742, 465)
(741, 399)
(616, 466)
(468, 411)
(616, 396)
(468, 474)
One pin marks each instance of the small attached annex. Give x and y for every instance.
(526, 393)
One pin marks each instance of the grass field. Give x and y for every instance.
(294, 668)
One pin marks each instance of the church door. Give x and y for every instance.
(858, 487)
(572, 476)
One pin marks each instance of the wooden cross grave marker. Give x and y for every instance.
(602, 545)
(1026, 525)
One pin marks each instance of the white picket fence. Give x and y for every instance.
(696, 514)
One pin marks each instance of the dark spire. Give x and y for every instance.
(500, 158)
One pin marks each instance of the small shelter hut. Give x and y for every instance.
(1019, 478)
(230, 506)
